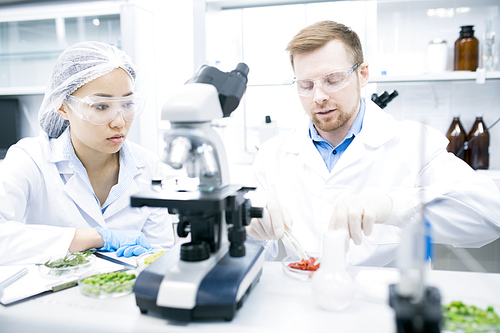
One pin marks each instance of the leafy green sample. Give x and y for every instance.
(70, 260)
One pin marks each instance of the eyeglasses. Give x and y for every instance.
(102, 110)
(331, 82)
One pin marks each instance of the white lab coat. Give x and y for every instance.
(404, 159)
(39, 213)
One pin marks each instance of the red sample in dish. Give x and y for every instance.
(305, 265)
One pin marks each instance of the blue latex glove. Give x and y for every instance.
(131, 250)
(125, 242)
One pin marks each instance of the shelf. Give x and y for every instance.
(446, 76)
(239, 4)
(31, 54)
(49, 11)
(13, 91)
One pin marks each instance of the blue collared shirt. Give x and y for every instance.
(331, 154)
(63, 152)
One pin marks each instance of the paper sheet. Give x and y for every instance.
(33, 283)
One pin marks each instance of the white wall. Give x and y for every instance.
(394, 37)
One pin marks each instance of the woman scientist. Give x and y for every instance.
(69, 188)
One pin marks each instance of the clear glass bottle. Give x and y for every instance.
(333, 287)
(478, 156)
(466, 50)
(457, 136)
(489, 56)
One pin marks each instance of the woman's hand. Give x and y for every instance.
(86, 238)
(125, 242)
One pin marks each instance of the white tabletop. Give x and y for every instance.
(279, 303)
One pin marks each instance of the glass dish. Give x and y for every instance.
(103, 284)
(451, 326)
(146, 259)
(297, 273)
(58, 273)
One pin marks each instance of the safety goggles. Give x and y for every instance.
(102, 110)
(331, 82)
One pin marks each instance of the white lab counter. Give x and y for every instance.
(278, 303)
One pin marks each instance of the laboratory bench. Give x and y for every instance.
(278, 303)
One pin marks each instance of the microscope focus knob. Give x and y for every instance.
(237, 237)
(195, 251)
(256, 212)
(183, 228)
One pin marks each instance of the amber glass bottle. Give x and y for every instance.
(457, 136)
(478, 156)
(466, 50)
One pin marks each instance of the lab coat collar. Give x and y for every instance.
(378, 128)
(84, 198)
(131, 165)
(61, 150)
(78, 185)
(119, 205)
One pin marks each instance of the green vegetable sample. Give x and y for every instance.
(115, 282)
(458, 316)
(70, 260)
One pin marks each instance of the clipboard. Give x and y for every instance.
(32, 283)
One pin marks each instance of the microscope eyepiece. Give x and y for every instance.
(230, 86)
(242, 68)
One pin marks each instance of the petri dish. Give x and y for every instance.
(297, 273)
(146, 259)
(63, 272)
(103, 284)
(468, 325)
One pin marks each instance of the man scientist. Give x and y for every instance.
(354, 166)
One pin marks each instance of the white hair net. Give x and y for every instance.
(76, 66)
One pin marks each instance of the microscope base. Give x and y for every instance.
(220, 294)
(425, 317)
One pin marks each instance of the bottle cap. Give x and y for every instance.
(268, 119)
(467, 28)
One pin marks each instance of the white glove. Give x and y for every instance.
(359, 212)
(272, 224)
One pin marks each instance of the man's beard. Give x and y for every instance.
(332, 123)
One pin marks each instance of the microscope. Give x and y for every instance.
(384, 98)
(417, 306)
(210, 276)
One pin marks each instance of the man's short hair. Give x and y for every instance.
(319, 34)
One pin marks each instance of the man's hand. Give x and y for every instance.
(272, 224)
(360, 212)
